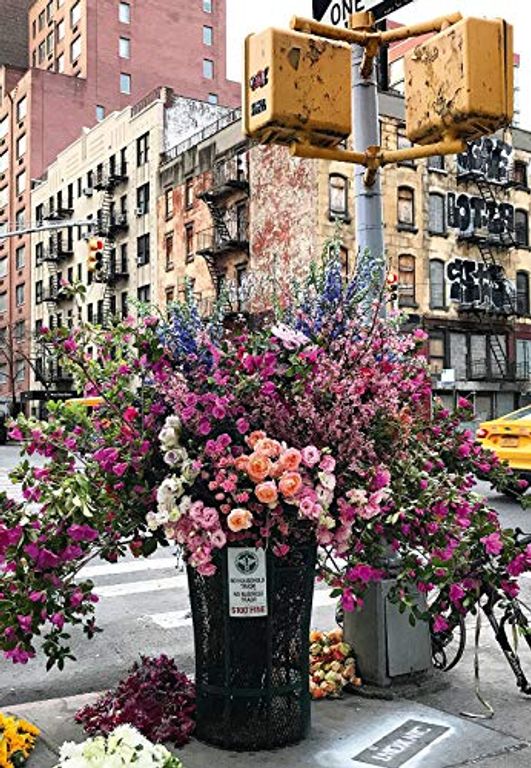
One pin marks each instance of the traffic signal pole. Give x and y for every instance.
(368, 203)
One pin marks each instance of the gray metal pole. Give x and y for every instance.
(386, 646)
(367, 199)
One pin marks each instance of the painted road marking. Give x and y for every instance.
(402, 744)
(131, 566)
(138, 587)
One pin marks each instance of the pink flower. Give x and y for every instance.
(456, 593)
(82, 532)
(218, 539)
(311, 455)
(130, 414)
(242, 425)
(239, 520)
(440, 624)
(15, 433)
(206, 569)
(18, 655)
(381, 479)
(493, 543)
(25, 622)
(204, 427)
(120, 469)
(70, 345)
(348, 601)
(327, 463)
(464, 450)
(57, 620)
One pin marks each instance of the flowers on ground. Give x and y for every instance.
(122, 748)
(154, 697)
(17, 740)
(332, 665)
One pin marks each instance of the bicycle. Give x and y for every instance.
(448, 645)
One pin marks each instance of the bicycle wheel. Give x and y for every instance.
(447, 647)
(514, 616)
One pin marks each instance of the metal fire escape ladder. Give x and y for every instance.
(106, 277)
(221, 233)
(499, 354)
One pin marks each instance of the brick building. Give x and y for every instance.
(14, 34)
(87, 58)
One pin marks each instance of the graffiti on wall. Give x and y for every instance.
(479, 286)
(469, 213)
(487, 157)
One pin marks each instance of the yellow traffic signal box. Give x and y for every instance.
(459, 83)
(297, 88)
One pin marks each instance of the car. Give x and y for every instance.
(509, 437)
(86, 402)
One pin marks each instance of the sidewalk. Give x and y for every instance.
(354, 732)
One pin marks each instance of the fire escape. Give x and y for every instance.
(109, 224)
(227, 201)
(501, 305)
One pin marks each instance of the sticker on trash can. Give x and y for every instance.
(247, 582)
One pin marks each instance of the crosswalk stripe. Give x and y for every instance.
(129, 566)
(137, 587)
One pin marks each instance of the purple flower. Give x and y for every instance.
(456, 593)
(242, 425)
(82, 532)
(57, 620)
(25, 622)
(19, 655)
(440, 624)
(493, 543)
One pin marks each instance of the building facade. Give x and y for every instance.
(87, 58)
(107, 182)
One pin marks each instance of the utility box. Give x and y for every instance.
(296, 88)
(459, 83)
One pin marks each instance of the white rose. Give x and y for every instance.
(175, 423)
(168, 438)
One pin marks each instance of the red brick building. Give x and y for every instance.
(87, 58)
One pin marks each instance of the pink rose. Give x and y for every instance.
(328, 463)
(311, 455)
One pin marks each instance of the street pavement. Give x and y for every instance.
(144, 609)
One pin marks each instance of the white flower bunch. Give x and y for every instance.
(124, 747)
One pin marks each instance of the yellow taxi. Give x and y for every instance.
(510, 438)
(87, 402)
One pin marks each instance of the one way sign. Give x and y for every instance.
(337, 12)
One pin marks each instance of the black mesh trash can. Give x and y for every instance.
(252, 673)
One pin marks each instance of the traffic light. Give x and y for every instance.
(95, 254)
(297, 87)
(459, 83)
(392, 288)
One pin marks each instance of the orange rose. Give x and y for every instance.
(290, 483)
(258, 467)
(254, 437)
(239, 520)
(290, 459)
(241, 463)
(266, 492)
(268, 447)
(276, 470)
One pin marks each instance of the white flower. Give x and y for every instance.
(324, 496)
(169, 438)
(188, 472)
(168, 490)
(357, 496)
(327, 480)
(175, 423)
(152, 521)
(125, 746)
(175, 456)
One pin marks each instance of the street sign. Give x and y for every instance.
(337, 12)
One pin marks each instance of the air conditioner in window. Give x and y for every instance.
(139, 211)
(88, 191)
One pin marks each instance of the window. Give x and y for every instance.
(208, 35)
(123, 258)
(75, 50)
(521, 228)
(20, 370)
(19, 295)
(437, 220)
(39, 253)
(34, 28)
(436, 163)
(189, 241)
(168, 247)
(213, 98)
(406, 207)
(142, 149)
(123, 302)
(3, 127)
(168, 203)
(337, 196)
(170, 295)
(21, 182)
(60, 63)
(207, 6)
(60, 30)
(436, 352)
(20, 330)
(3, 266)
(49, 11)
(189, 193)
(3, 302)
(142, 251)
(20, 257)
(100, 112)
(402, 142)
(208, 69)
(437, 287)
(20, 219)
(124, 48)
(3, 162)
(22, 108)
(144, 293)
(3, 370)
(49, 44)
(396, 75)
(142, 199)
(42, 20)
(125, 83)
(406, 281)
(522, 293)
(3, 196)
(124, 13)
(21, 145)
(75, 14)
(520, 173)
(42, 51)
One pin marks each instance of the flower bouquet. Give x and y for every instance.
(122, 748)
(17, 740)
(332, 665)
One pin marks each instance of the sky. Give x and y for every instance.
(245, 16)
